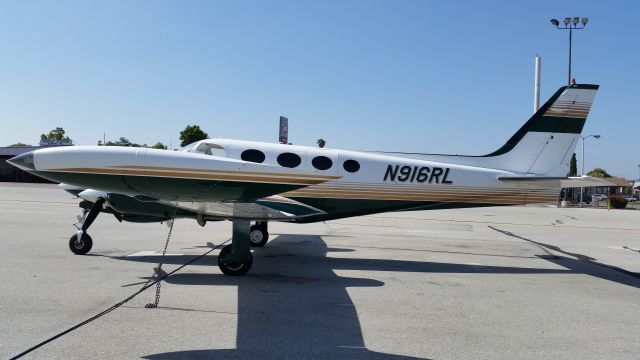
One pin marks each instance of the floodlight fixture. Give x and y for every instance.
(596, 136)
(570, 23)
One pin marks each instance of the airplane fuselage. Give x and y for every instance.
(336, 183)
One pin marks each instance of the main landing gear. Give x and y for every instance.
(258, 234)
(236, 259)
(80, 243)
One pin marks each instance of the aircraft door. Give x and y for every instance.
(137, 183)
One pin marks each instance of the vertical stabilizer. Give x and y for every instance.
(545, 143)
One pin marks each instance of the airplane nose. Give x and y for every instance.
(23, 161)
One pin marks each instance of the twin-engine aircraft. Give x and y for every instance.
(245, 182)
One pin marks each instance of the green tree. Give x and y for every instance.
(573, 166)
(321, 143)
(19, 144)
(122, 141)
(55, 134)
(599, 172)
(191, 134)
(160, 146)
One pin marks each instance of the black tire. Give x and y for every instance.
(80, 247)
(233, 268)
(258, 236)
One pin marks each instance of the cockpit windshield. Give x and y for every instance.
(207, 148)
(189, 147)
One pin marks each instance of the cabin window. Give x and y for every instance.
(289, 160)
(351, 166)
(321, 163)
(253, 155)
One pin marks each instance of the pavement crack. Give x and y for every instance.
(631, 249)
(580, 257)
(182, 309)
(546, 246)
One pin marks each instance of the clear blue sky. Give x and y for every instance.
(417, 76)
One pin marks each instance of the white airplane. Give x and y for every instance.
(244, 181)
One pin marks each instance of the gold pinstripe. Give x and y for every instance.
(191, 175)
(144, 167)
(412, 193)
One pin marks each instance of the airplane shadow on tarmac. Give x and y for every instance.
(293, 305)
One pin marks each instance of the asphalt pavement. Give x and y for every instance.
(499, 283)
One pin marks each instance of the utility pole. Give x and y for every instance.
(536, 85)
(582, 163)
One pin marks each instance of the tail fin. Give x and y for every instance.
(544, 144)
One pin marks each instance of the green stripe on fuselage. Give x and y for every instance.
(344, 208)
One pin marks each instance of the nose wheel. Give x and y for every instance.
(82, 245)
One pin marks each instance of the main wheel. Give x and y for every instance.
(82, 246)
(233, 268)
(258, 235)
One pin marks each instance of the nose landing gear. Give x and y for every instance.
(80, 243)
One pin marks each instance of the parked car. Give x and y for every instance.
(630, 198)
(599, 197)
(586, 198)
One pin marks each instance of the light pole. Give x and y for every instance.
(582, 165)
(570, 24)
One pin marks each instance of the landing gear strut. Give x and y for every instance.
(258, 234)
(80, 243)
(236, 259)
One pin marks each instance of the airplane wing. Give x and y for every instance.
(274, 207)
(564, 182)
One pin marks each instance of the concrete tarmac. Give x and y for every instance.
(498, 283)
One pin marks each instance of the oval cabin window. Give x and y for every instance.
(289, 160)
(253, 155)
(351, 166)
(322, 163)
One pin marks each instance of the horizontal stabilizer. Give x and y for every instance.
(565, 182)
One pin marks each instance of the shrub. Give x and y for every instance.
(618, 201)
